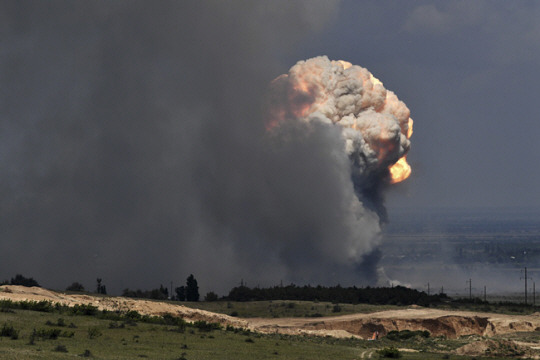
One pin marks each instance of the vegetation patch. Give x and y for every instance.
(389, 352)
(395, 335)
(9, 331)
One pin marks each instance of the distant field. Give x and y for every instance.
(92, 337)
(286, 308)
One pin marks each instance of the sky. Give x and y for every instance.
(133, 148)
(467, 70)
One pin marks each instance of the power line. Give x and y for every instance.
(470, 288)
(525, 278)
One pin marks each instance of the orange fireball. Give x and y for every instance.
(401, 170)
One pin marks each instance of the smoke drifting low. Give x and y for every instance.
(134, 148)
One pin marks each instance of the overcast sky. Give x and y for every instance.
(469, 72)
(132, 146)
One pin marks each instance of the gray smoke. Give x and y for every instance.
(133, 148)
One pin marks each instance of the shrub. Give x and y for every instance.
(84, 309)
(60, 322)
(336, 308)
(32, 338)
(406, 334)
(206, 326)
(75, 287)
(67, 334)
(47, 334)
(61, 348)
(94, 332)
(133, 315)
(291, 305)
(24, 281)
(6, 305)
(115, 325)
(390, 352)
(211, 296)
(173, 320)
(9, 331)
(86, 353)
(43, 306)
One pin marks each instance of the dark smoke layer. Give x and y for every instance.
(134, 149)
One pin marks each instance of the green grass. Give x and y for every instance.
(104, 339)
(122, 338)
(497, 308)
(285, 308)
(46, 331)
(291, 308)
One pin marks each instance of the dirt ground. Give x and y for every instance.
(451, 324)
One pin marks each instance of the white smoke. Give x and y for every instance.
(374, 122)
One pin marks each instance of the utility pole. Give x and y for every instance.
(470, 288)
(484, 293)
(525, 278)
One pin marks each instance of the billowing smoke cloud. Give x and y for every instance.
(375, 124)
(374, 127)
(134, 148)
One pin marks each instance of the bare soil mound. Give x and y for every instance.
(109, 303)
(503, 348)
(450, 324)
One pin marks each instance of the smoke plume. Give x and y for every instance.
(374, 128)
(134, 147)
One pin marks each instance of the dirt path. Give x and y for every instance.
(451, 324)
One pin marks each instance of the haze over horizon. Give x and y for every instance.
(132, 143)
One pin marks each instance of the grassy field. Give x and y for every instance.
(59, 334)
(285, 308)
(289, 308)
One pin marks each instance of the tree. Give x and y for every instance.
(100, 289)
(164, 291)
(21, 280)
(192, 289)
(75, 287)
(211, 296)
(180, 293)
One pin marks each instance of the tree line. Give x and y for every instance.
(20, 280)
(395, 295)
(189, 292)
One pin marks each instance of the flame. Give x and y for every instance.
(401, 170)
(410, 131)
